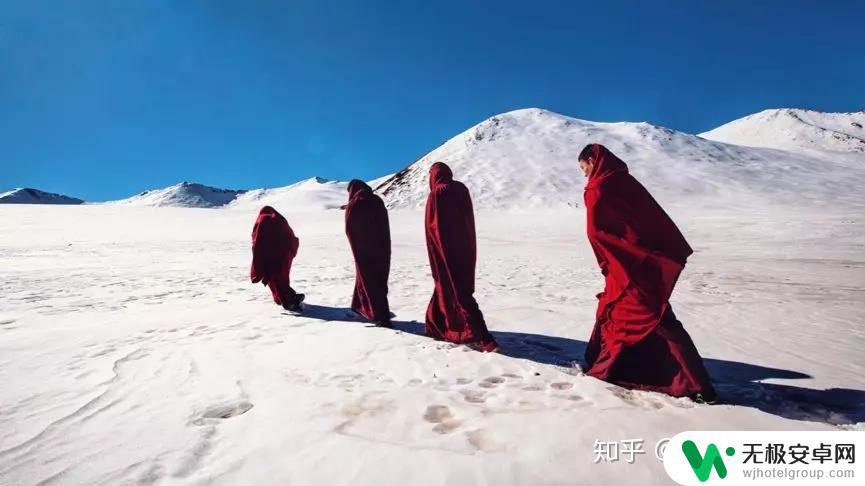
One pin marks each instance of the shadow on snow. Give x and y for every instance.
(737, 383)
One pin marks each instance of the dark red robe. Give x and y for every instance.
(637, 342)
(453, 313)
(368, 231)
(274, 247)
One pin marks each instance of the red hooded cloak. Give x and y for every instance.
(368, 231)
(637, 341)
(274, 247)
(453, 313)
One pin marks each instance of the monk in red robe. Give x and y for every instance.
(274, 247)
(637, 342)
(368, 231)
(453, 313)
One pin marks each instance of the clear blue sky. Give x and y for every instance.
(102, 99)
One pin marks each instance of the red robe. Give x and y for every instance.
(368, 231)
(453, 313)
(637, 342)
(274, 247)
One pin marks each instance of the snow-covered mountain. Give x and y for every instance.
(28, 195)
(528, 158)
(792, 129)
(378, 181)
(311, 194)
(185, 194)
(315, 193)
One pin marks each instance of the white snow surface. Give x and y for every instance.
(134, 350)
(528, 159)
(185, 195)
(27, 195)
(794, 129)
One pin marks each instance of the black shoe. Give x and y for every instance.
(484, 347)
(295, 307)
(710, 398)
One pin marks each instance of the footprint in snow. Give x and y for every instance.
(224, 411)
(483, 441)
(437, 413)
(442, 417)
(491, 382)
(474, 396)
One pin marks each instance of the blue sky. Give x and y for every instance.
(102, 99)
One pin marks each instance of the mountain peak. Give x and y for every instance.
(28, 195)
(794, 129)
(527, 158)
(532, 111)
(524, 157)
(184, 194)
(313, 194)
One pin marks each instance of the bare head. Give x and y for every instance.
(587, 160)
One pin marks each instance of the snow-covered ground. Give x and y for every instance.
(134, 350)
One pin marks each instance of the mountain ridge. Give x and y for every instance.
(527, 158)
(28, 195)
(795, 129)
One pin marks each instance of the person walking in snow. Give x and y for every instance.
(368, 231)
(637, 342)
(274, 247)
(453, 313)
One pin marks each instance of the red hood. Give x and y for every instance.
(606, 165)
(440, 173)
(357, 186)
